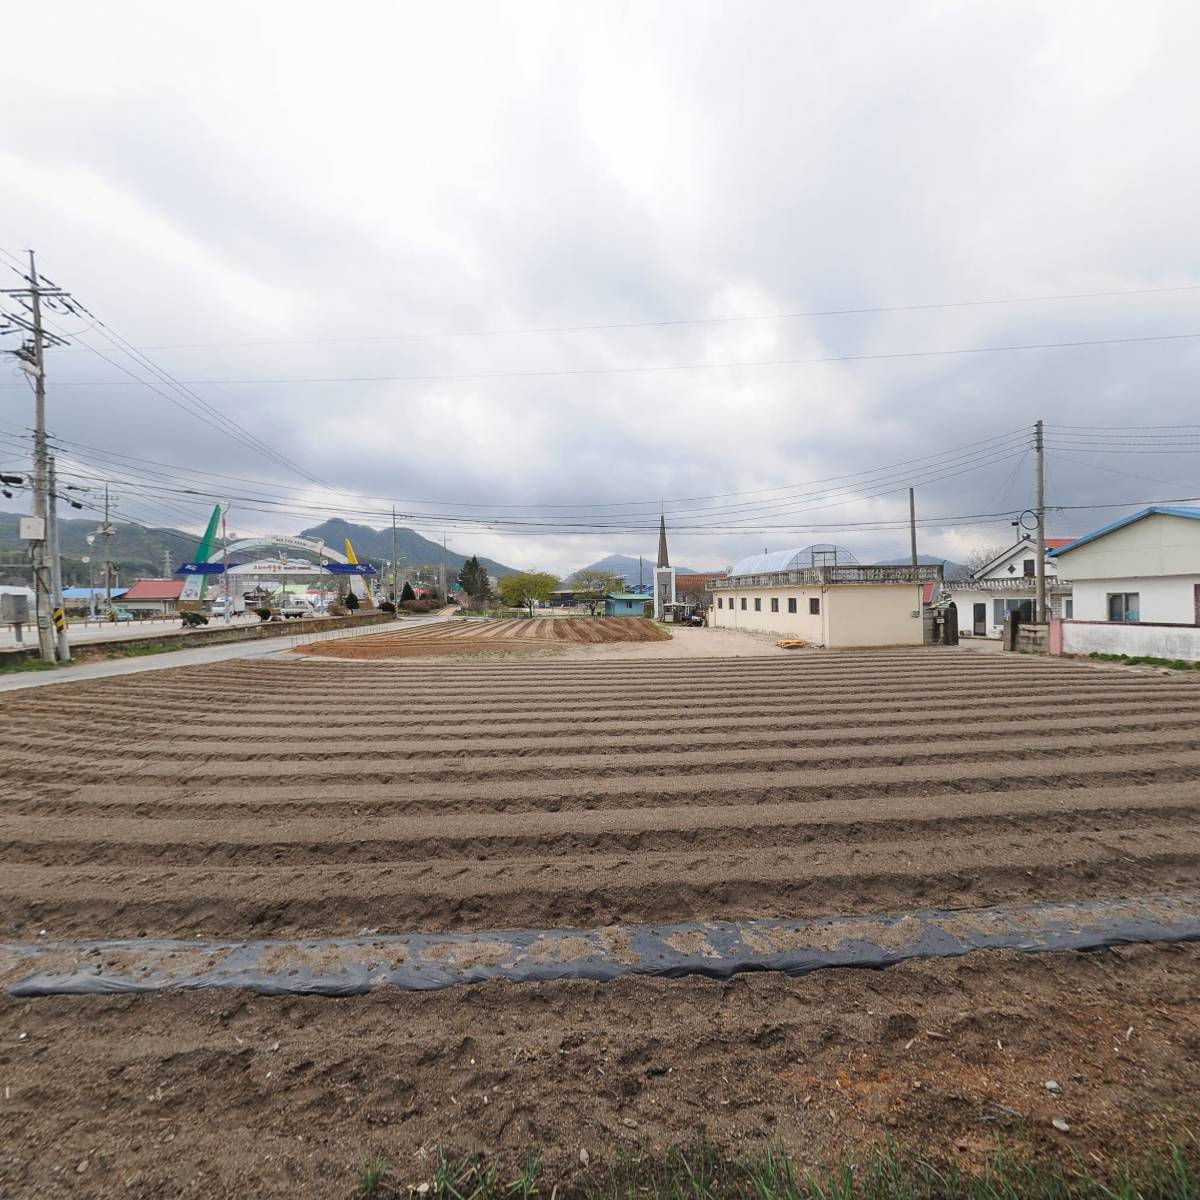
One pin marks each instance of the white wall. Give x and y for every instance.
(851, 615)
(801, 624)
(966, 599)
(1166, 598)
(1158, 641)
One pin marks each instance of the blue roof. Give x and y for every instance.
(78, 593)
(1162, 510)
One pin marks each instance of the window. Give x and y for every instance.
(1123, 606)
(1069, 608)
(758, 604)
(774, 603)
(1001, 609)
(1030, 567)
(720, 602)
(791, 604)
(814, 607)
(743, 604)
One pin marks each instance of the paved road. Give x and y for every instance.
(187, 658)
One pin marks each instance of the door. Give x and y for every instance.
(979, 620)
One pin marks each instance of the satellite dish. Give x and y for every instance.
(85, 559)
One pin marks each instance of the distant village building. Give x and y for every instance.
(694, 589)
(1008, 584)
(626, 604)
(153, 596)
(827, 604)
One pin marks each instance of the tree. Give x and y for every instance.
(525, 588)
(981, 556)
(473, 578)
(407, 593)
(351, 601)
(592, 586)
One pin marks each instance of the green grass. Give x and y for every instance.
(704, 1172)
(1146, 660)
(10, 666)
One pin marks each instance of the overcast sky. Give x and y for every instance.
(295, 176)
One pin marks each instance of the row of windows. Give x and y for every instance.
(814, 604)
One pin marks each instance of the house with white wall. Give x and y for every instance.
(1137, 586)
(1008, 584)
(785, 595)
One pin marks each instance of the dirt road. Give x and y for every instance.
(298, 797)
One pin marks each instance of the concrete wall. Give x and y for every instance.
(1168, 598)
(1117, 637)
(875, 614)
(1157, 545)
(966, 599)
(851, 615)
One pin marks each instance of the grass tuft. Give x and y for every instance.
(370, 1175)
(704, 1172)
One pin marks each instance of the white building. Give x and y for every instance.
(1144, 568)
(831, 606)
(1008, 584)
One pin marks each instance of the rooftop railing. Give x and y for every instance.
(822, 576)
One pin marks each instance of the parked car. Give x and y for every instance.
(116, 613)
(235, 603)
(295, 608)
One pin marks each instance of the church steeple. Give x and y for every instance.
(663, 560)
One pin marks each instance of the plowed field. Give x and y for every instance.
(464, 636)
(281, 798)
(288, 797)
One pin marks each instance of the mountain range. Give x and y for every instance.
(139, 552)
(627, 568)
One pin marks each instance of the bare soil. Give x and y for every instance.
(296, 797)
(464, 636)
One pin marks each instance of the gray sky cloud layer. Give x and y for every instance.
(259, 181)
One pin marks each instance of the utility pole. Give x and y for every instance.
(445, 581)
(27, 318)
(106, 534)
(1040, 508)
(395, 590)
(912, 526)
(41, 575)
(62, 649)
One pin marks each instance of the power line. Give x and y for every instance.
(560, 372)
(618, 325)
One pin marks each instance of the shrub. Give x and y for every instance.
(387, 606)
(351, 601)
(337, 610)
(264, 613)
(418, 606)
(192, 619)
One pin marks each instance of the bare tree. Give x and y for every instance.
(981, 556)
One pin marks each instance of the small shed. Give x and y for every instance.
(626, 604)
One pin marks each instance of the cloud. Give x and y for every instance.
(222, 176)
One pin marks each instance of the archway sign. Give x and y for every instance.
(209, 561)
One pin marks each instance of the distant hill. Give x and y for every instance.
(952, 569)
(414, 550)
(627, 568)
(138, 552)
